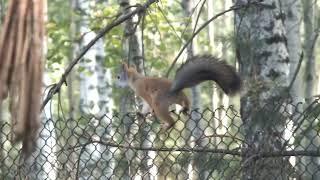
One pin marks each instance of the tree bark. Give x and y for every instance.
(91, 93)
(195, 168)
(310, 38)
(68, 159)
(43, 161)
(292, 9)
(132, 48)
(264, 68)
(310, 139)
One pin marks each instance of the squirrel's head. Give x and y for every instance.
(123, 77)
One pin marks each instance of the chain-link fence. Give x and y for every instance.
(202, 145)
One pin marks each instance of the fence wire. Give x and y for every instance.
(204, 144)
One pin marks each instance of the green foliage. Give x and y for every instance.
(164, 33)
(57, 28)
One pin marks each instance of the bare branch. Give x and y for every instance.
(56, 88)
(233, 8)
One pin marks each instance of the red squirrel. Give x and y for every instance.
(159, 93)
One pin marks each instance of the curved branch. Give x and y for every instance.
(56, 88)
(233, 8)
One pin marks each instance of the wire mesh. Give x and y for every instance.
(204, 144)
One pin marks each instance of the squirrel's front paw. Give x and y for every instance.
(166, 126)
(185, 111)
(140, 115)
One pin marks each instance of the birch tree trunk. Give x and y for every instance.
(195, 170)
(310, 38)
(105, 103)
(222, 100)
(71, 156)
(217, 95)
(211, 31)
(74, 26)
(310, 141)
(292, 24)
(292, 9)
(95, 162)
(144, 138)
(126, 169)
(67, 160)
(264, 68)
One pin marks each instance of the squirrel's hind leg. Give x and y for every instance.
(164, 116)
(184, 102)
(146, 108)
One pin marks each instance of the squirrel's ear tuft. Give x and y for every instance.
(133, 66)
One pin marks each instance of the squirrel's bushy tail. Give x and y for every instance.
(202, 68)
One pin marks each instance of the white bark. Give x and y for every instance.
(195, 170)
(69, 158)
(136, 133)
(292, 9)
(310, 140)
(214, 97)
(263, 53)
(211, 29)
(89, 97)
(264, 69)
(309, 46)
(95, 100)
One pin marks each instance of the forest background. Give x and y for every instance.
(273, 44)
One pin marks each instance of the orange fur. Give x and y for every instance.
(159, 93)
(155, 92)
